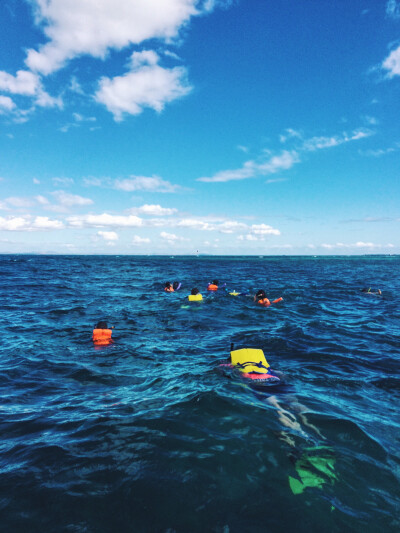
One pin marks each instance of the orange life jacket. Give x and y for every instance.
(169, 289)
(265, 302)
(212, 287)
(102, 337)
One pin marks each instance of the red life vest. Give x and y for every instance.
(102, 337)
(212, 287)
(169, 289)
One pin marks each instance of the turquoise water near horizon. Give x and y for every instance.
(151, 434)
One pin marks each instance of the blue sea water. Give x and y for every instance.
(152, 435)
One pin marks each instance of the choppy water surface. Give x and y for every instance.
(150, 435)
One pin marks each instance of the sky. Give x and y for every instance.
(238, 127)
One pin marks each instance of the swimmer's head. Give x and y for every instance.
(194, 291)
(167, 285)
(260, 294)
(175, 285)
(101, 325)
(215, 282)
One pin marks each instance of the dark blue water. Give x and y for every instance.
(151, 435)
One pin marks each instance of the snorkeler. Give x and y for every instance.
(376, 292)
(195, 295)
(261, 298)
(252, 364)
(172, 287)
(213, 286)
(102, 334)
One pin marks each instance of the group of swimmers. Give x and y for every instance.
(102, 333)
(260, 297)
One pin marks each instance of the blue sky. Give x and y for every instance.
(219, 126)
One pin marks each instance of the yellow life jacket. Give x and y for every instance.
(250, 360)
(195, 297)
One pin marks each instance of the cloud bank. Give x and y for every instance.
(286, 159)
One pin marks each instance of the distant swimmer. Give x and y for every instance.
(102, 334)
(376, 292)
(213, 286)
(172, 287)
(261, 298)
(195, 295)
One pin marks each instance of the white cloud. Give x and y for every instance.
(271, 164)
(393, 9)
(230, 226)
(248, 237)
(250, 169)
(12, 223)
(68, 200)
(80, 118)
(140, 240)
(17, 201)
(319, 143)
(154, 210)
(359, 244)
(63, 181)
(392, 63)
(46, 223)
(290, 134)
(276, 180)
(97, 182)
(105, 220)
(36, 181)
(79, 27)
(26, 224)
(381, 151)
(143, 183)
(170, 237)
(258, 232)
(108, 235)
(194, 223)
(26, 83)
(264, 229)
(6, 104)
(371, 120)
(146, 85)
(42, 200)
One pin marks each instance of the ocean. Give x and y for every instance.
(151, 434)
